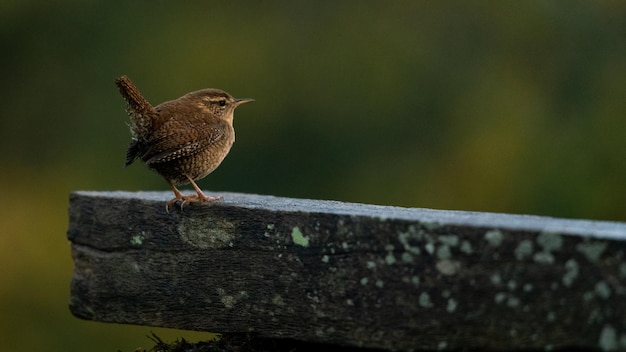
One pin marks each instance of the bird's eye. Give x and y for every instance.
(222, 102)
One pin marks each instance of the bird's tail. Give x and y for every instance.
(141, 112)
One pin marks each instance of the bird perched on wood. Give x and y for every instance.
(184, 139)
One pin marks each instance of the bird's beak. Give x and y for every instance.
(243, 101)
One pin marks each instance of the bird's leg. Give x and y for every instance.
(200, 197)
(179, 196)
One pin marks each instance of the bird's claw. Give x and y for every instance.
(194, 198)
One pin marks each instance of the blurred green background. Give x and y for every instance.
(499, 106)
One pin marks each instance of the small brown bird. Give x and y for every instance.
(183, 140)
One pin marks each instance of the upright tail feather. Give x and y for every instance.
(141, 112)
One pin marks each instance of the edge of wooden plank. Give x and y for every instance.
(611, 230)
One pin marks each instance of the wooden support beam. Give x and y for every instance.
(349, 274)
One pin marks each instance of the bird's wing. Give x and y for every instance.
(177, 140)
(135, 149)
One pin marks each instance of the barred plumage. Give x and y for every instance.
(184, 139)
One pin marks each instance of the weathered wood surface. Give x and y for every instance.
(351, 274)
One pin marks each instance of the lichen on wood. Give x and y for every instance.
(349, 274)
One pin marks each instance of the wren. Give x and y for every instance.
(183, 140)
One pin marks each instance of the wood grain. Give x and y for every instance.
(349, 274)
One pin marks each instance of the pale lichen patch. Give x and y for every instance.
(443, 252)
(608, 339)
(592, 250)
(494, 238)
(588, 296)
(496, 279)
(447, 267)
(452, 304)
(407, 257)
(415, 280)
(278, 300)
(511, 285)
(207, 233)
(424, 300)
(229, 301)
(449, 240)
(466, 247)
(524, 249)
(390, 259)
(603, 290)
(431, 226)
(404, 237)
(512, 301)
(571, 272)
(499, 297)
(543, 258)
(550, 241)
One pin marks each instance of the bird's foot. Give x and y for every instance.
(193, 198)
(196, 198)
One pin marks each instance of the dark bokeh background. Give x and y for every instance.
(489, 106)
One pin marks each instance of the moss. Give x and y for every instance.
(298, 238)
(243, 342)
(137, 240)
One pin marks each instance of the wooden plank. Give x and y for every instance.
(349, 274)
